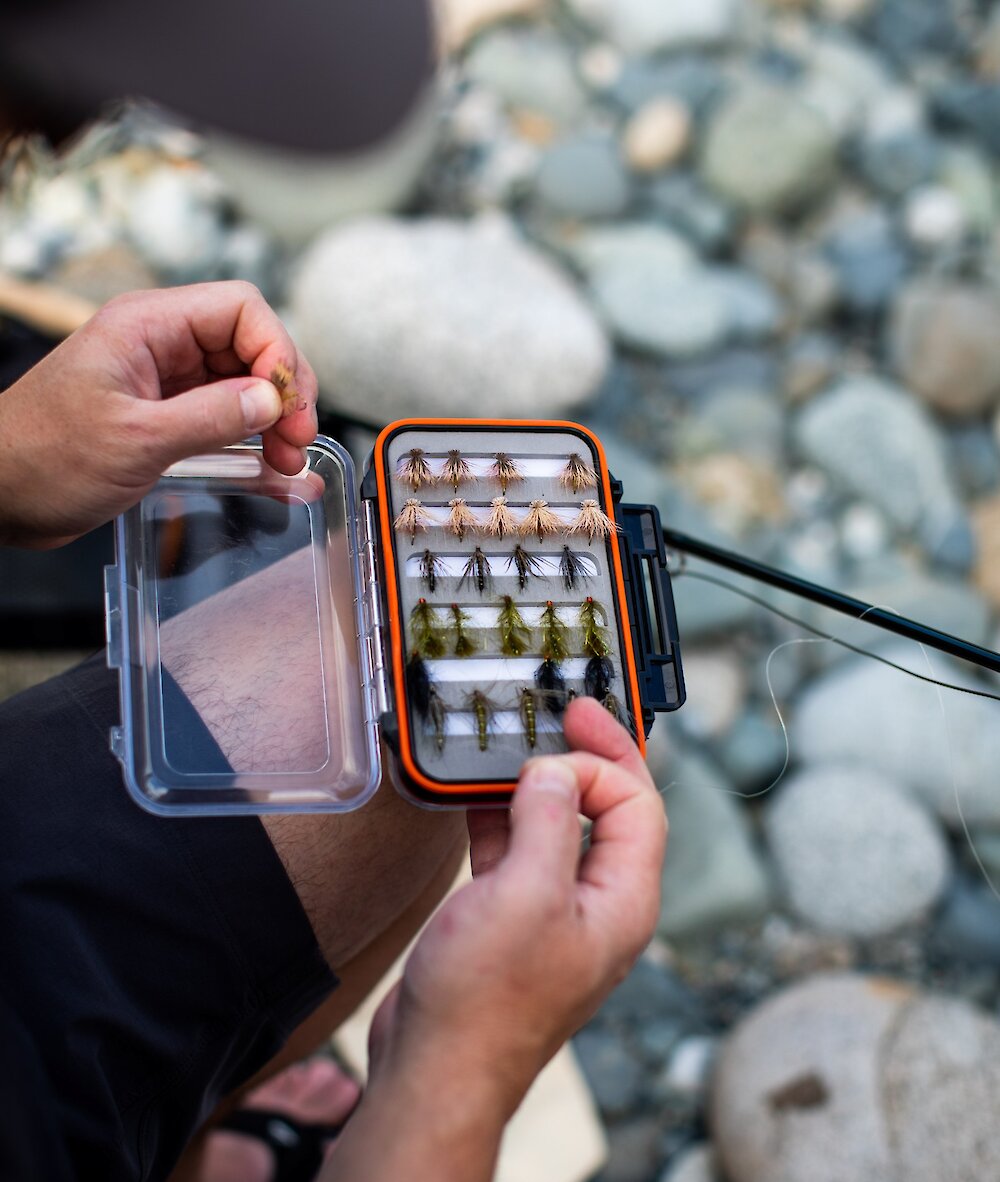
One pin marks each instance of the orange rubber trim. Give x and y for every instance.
(396, 633)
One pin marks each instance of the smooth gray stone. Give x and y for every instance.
(530, 69)
(869, 259)
(856, 855)
(753, 752)
(614, 1075)
(768, 152)
(880, 444)
(974, 459)
(584, 177)
(967, 928)
(696, 81)
(944, 748)
(426, 317)
(845, 1078)
(715, 875)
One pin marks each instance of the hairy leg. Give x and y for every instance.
(367, 880)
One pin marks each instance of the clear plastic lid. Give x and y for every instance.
(238, 622)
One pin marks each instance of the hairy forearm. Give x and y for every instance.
(420, 1123)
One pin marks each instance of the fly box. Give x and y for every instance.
(283, 641)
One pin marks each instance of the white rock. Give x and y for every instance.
(933, 217)
(944, 747)
(600, 65)
(690, 1064)
(856, 855)
(645, 26)
(443, 317)
(845, 1078)
(716, 691)
(657, 135)
(696, 1164)
(173, 220)
(878, 442)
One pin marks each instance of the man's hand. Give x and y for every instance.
(153, 378)
(515, 962)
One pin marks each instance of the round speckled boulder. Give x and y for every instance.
(444, 318)
(845, 1078)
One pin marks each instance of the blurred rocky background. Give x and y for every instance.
(755, 246)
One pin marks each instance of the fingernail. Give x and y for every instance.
(550, 775)
(261, 405)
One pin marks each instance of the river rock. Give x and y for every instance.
(766, 151)
(716, 691)
(845, 1078)
(944, 749)
(855, 854)
(697, 1164)
(714, 875)
(405, 318)
(934, 218)
(529, 69)
(753, 753)
(647, 284)
(879, 444)
(684, 203)
(461, 20)
(647, 26)
(868, 258)
(692, 79)
(946, 343)
(967, 926)
(583, 177)
(657, 135)
(614, 1075)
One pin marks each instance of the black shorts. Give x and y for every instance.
(157, 964)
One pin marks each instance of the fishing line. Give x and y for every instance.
(821, 637)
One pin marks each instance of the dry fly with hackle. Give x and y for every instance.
(413, 518)
(593, 521)
(540, 521)
(414, 470)
(457, 471)
(578, 474)
(500, 520)
(505, 470)
(461, 519)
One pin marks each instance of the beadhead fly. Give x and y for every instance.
(528, 710)
(592, 617)
(515, 635)
(597, 677)
(426, 630)
(482, 710)
(551, 686)
(555, 646)
(464, 644)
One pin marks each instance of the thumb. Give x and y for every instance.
(213, 416)
(545, 837)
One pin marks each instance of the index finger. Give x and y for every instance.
(628, 837)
